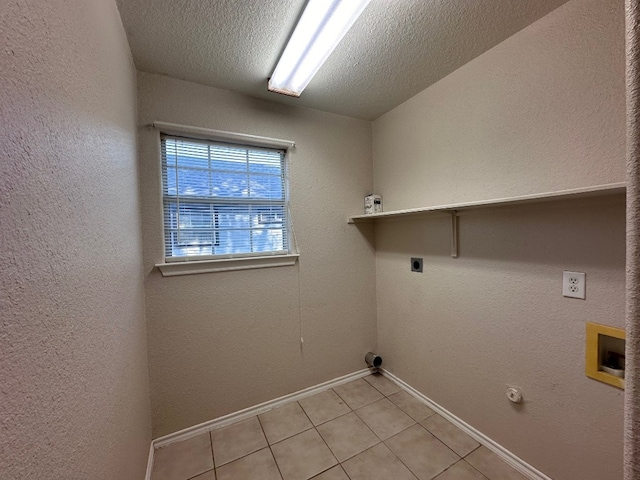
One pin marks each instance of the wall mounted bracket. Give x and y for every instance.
(454, 208)
(454, 234)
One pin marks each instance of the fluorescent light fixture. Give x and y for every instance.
(320, 29)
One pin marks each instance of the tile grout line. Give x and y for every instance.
(367, 425)
(461, 460)
(213, 455)
(303, 431)
(416, 422)
(305, 414)
(355, 455)
(471, 453)
(345, 472)
(508, 457)
(201, 473)
(339, 463)
(392, 453)
(475, 467)
(381, 376)
(367, 383)
(399, 459)
(327, 421)
(330, 451)
(325, 470)
(249, 412)
(246, 454)
(351, 410)
(315, 427)
(339, 416)
(340, 397)
(344, 415)
(383, 440)
(443, 442)
(408, 468)
(276, 462)
(460, 457)
(269, 447)
(335, 418)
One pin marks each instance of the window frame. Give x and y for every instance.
(183, 265)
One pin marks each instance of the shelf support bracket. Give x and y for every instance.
(454, 234)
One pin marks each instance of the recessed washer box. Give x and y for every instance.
(604, 354)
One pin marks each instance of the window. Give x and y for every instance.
(222, 200)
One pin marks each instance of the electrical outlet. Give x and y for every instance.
(573, 284)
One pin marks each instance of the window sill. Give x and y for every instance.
(225, 265)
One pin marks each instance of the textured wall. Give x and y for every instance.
(468, 327)
(220, 342)
(425, 40)
(632, 372)
(74, 398)
(542, 111)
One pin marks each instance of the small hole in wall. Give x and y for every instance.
(416, 264)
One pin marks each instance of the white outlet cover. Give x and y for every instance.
(574, 284)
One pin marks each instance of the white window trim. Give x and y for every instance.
(191, 267)
(222, 136)
(226, 264)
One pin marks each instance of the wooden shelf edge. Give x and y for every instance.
(584, 192)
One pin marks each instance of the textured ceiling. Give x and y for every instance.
(396, 48)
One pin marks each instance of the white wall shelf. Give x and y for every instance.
(454, 208)
(585, 192)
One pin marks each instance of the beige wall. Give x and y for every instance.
(220, 342)
(74, 399)
(542, 111)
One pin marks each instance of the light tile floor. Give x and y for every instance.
(365, 429)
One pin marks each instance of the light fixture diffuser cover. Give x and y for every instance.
(321, 27)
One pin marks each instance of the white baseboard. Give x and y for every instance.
(513, 460)
(246, 413)
(510, 458)
(147, 475)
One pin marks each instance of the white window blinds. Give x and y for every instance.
(222, 200)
